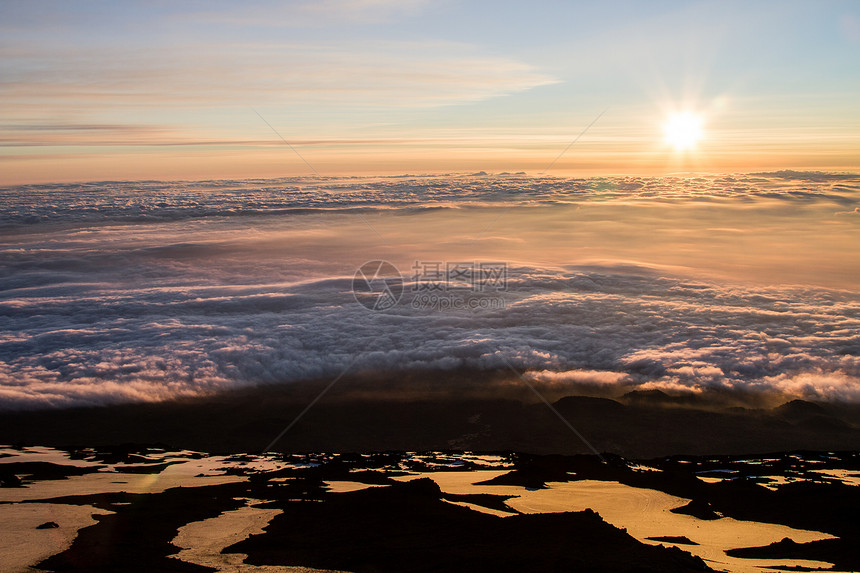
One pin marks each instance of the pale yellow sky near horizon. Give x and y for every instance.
(277, 160)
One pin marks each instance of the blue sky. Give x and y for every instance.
(96, 90)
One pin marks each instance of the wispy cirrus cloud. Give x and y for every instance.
(316, 14)
(190, 95)
(379, 74)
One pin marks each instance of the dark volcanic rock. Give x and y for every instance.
(698, 508)
(534, 472)
(488, 500)
(390, 415)
(8, 479)
(413, 527)
(145, 468)
(843, 553)
(798, 409)
(681, 539)
(588, 405)
(656, 398)
(137, 536)
(41, 471)
(407, 527)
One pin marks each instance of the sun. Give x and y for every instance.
(683, 130)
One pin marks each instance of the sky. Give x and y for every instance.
(204, 90)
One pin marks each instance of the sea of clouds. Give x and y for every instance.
(114, 292)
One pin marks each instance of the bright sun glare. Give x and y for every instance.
(683, 130)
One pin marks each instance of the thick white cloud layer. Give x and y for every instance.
(103, 301)
(156, 201)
